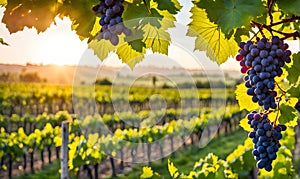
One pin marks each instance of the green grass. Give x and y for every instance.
(185, 159)
(50, 172)
(297, 166)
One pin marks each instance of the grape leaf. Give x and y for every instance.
(130, 56)
(3, 3)
(210, 38)
(244, 100)
(294, 91)
(230, 14)
(101, 48)
(134, 11)
(157, 39)
(241, 35)
(244, 124)
(294, 70)
(22, 13)
(288, 115)
(173, 170)
(168, 5)
(3, 42)
(81, 14)
(290, 6)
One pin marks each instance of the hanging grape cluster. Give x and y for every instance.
(110, 13)
(265, 136)
(262, 61)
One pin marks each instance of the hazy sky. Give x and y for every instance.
(60, 45)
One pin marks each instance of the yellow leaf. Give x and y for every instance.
(130, 56)
(3, 3)
(147, 172)
(101, 48)
(210, 38)
(172, 169)
(245, 101)
(244, 124)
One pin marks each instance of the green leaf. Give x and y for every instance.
(23, 13)
(241, 35)
(82, 16)
(287, 115)
(290, 6)
(130, 56)
(244, 100)
(101, 48)
(209, 37)
(294, 70)
(294, 91)
(231, 14)
(134, 11)
(2, 42)
(244, 124)
(168, 5)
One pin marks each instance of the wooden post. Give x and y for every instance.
(64, 150)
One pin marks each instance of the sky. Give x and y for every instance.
(60, 45)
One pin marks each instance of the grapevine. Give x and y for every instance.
(261, 62)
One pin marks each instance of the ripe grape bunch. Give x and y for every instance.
(110, 13)
(261, 61)
(265, 136)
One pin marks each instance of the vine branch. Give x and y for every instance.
(262, 26)
(147, 6)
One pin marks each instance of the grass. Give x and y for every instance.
(185, 159)
(50, 172)
(297, 166)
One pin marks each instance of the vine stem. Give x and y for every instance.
(261, 26)
(278, 110)
(270, 5)
(279, 100)
(283, 91)
(147, 6)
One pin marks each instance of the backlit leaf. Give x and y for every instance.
(288, 114)
(209, 37)
(130, 56)
(230, 14)
(244, 124)
(294, 70)
(244, 100)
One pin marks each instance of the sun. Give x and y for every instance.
(60, 46)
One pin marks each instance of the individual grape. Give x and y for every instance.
(265, 137)
(109, 2)
(114, 40)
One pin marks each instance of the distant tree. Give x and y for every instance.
(154, 79)
(104, 81)
(30, 77)
(5, 77)
(166, 86)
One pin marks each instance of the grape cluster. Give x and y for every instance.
(265, 137)
(261, 61)
(110, 12)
